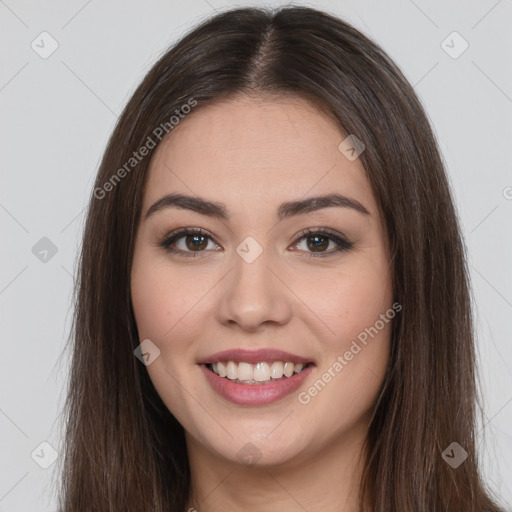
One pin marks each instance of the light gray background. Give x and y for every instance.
(57, 114)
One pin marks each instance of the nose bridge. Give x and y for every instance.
(253, 294)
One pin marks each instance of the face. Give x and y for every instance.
(273, 314)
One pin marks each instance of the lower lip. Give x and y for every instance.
(255, 394)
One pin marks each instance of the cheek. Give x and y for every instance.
(171, 310)
(161, 297)
(150, 302)
(351, 299)
(355, 352)
(160, 304)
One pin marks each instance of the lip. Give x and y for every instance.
(268, 355)
(254, 394)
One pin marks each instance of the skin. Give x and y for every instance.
(252, 154)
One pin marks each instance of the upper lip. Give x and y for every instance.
(254, 356)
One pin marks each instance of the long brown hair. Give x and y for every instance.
(123, 449)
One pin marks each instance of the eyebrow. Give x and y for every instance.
(285, 210)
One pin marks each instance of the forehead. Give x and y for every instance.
(254, 152)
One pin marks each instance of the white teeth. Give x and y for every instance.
(276, 370)
(245, 371)
(288, 369)
(232, 371)
(261, 372)
(253, 373)
(221, 369)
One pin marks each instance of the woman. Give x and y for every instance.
(273, 309)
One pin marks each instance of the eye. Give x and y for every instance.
(318, 239)
(196, 240)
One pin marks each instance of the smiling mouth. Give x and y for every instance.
(259, 373)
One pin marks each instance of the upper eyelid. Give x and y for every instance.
(302, 233)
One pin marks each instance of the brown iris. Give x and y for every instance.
(323, 244)
(192, 242)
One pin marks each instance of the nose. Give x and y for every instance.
(253, 295)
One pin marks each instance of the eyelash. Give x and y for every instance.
(343, 243)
